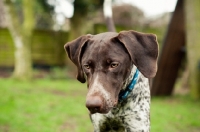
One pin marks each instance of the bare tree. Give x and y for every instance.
(2, 15)
(107, 9)
(21, 33)
(192, 16)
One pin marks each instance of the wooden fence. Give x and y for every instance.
(47, 45)
(47, 48)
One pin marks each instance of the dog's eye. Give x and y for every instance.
(114, 64)
(87, 66)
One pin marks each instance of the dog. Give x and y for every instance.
(117, 67)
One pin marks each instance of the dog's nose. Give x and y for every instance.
(94, 104)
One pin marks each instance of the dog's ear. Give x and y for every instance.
(143, 50)
(74, 49)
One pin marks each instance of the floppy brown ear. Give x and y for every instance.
(143, 50)
(74, 49)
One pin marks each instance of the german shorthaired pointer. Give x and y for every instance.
(117, 67)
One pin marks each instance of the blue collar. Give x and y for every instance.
(124, 93)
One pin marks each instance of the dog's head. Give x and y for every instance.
(106, 60)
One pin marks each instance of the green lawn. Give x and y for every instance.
(47, 105)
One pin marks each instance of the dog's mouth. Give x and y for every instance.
(103, 111)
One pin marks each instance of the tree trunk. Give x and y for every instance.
(171, 55)
(21, 34)
(2, 15)
(77, 25)
(107, 10)
(193, 45)
(78, 21)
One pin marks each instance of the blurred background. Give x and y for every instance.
(38, 89)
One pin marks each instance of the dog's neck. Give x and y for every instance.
(130, 77)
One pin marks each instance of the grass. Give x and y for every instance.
(43, 106)
(47, 105)
(175, 114)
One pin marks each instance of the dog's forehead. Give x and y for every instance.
(104, 36)
(101, 47)
(103, 44)
(101, 41)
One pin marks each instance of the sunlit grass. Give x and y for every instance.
(46, 105)
(43, 106)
